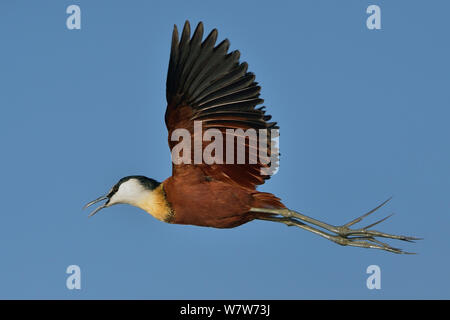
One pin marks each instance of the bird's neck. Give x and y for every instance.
(155, 203)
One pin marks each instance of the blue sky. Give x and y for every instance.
(364, 115)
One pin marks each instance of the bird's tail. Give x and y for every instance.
(267, 200)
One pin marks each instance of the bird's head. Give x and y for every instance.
(133, 190)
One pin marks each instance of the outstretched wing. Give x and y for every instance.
(206, 83)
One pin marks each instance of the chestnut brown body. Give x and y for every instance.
(200, 200)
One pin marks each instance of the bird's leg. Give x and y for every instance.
(362, 242)
(344, 234)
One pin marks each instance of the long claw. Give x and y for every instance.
(375, 233)
(366, 214)
(381, 243)
(352, 242)
(385, 244)
(377, 222)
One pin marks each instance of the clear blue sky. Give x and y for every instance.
(363, 114)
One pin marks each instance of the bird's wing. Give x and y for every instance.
(206, 83)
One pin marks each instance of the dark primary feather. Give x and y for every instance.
(218, 90)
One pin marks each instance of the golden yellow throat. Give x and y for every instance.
(156, 204)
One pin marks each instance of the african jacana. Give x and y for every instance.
(206, 83)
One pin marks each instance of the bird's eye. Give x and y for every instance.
(113, 191)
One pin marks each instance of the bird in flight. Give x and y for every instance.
(209, 88)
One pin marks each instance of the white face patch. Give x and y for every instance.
(130, 192)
